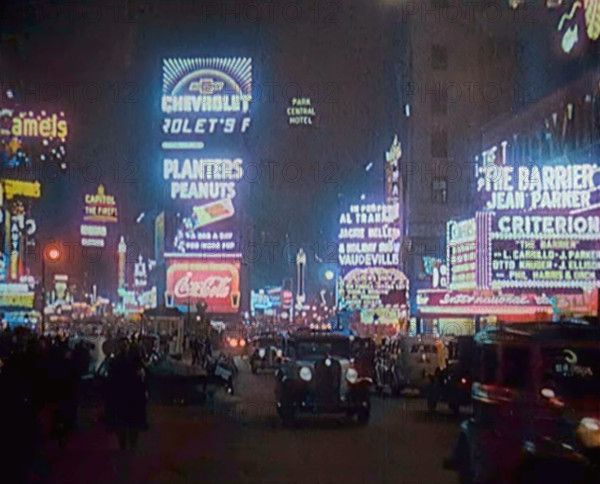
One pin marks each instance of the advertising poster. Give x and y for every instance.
(205, 108)
(544, 227)
(215, 282)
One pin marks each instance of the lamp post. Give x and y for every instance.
(52, 254)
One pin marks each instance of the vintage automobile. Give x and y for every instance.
(318, 375)
(452, 384)
(265, 350)
(234, 342)
(410, 363)
(536, 399)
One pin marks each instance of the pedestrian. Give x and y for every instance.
(126, 410)
(195, 352)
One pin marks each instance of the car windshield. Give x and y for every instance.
(572, 371)
(309, 349)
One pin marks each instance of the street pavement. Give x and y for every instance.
(238, 439)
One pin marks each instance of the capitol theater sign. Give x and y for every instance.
(217, 283)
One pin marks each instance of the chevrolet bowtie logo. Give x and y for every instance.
(207, 86)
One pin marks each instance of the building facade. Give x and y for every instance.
(458, 74)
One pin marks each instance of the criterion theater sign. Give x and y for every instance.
(544, 222)
(536, 188)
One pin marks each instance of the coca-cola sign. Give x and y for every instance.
(217, 283)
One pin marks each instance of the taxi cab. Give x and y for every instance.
(536, 405)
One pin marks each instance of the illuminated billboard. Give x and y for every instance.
(371, 288)
(100, 209)
(31, 136)
(215, 282)
(301, 112)
(534, 188)
(544, 223)
(461, 252)
(205, 107)
(29, 124)
(204, 96)
(369, 236)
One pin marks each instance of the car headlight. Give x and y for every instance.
(305, 373)
(588, 432)
(261, 353)
(352, 375)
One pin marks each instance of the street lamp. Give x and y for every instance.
(53, 254)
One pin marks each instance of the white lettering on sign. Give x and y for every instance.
(535, 187)
(549, 225)
(93, 230)
(211, 287)
(87, 242)
(205, 104)
(300, 111)
(196, 179)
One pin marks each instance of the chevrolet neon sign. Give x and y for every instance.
(207, 86)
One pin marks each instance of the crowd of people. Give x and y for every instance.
(41, 386)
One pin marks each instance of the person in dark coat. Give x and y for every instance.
(126, 402)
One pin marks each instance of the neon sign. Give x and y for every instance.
(545, 263)
(202, 97)
(368, 236)
(461, 253)
(100, 207)
(529, 188)
(300, 112)
(366, 288)
(216, 283)
(194, 87)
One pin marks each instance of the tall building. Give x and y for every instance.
(457, 72)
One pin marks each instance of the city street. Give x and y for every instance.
(240, 440)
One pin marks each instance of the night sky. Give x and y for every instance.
(108, 75)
